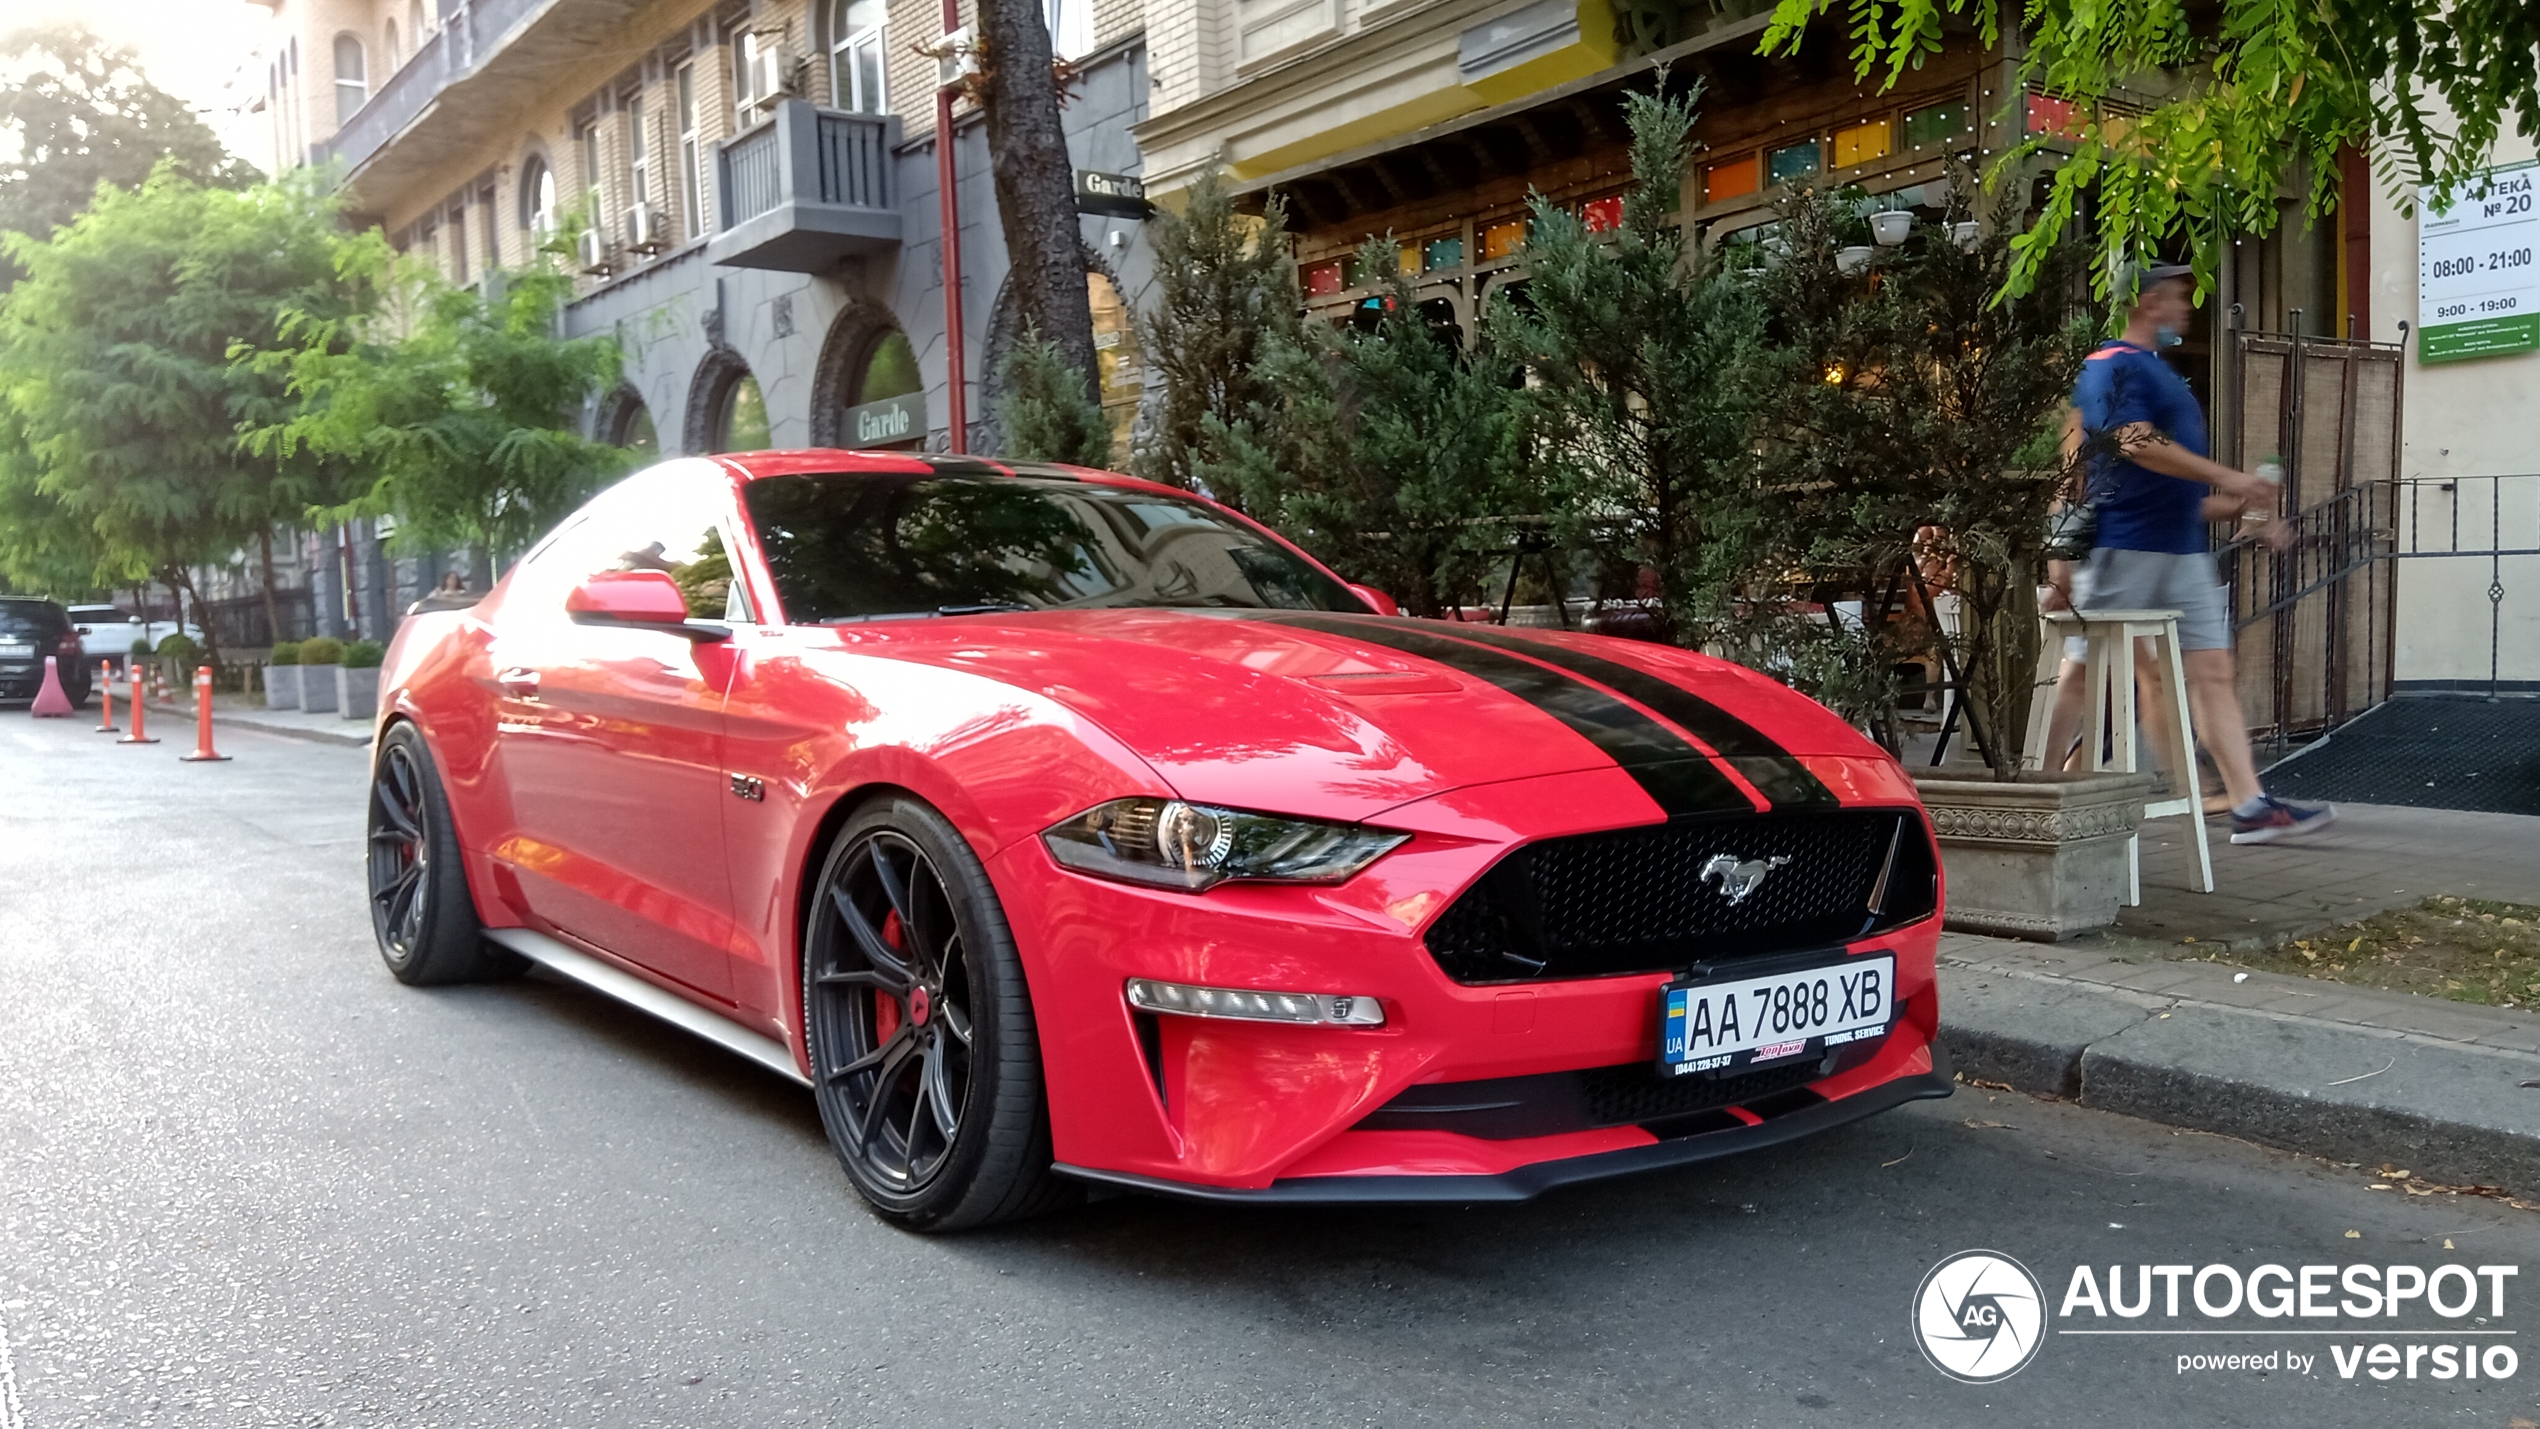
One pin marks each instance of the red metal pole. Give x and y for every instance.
(203, 751)
(957, 399)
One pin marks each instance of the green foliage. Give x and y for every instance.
(1645, 366)
(1385, 450)
(1047, 408)
(118, 399)
(1902, 456)
(460, 411)
(324, 650)
(140, 645)
(285, 652)
(81, 114)
(364, 655)
(1225, 285)
(2273, 91)
(180, 648)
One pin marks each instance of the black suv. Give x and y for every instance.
(30, 629)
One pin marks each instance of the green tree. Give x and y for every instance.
(460, 411)
(1644, 362)
(80, 113)
(1902, 457)
(114, 366)
(1047, 408)
(2266, 95)
(1225, 285)
(1384, 449)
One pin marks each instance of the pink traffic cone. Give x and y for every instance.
(50, 702)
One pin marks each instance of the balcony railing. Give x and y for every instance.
(804, 189)
(472, 33)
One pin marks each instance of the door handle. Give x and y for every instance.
(519, 681)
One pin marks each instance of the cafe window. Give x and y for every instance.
(1863, 143)
(740, 416)
(1936, 124)
(1116, 353)
(1794, 161)
(1733, 178)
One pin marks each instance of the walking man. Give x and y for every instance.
(2151, 550)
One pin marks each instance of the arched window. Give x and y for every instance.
(352, 79)
(885, 406)
(538, 199)
(1071, 25)
(1123, 370)
(396, 57)
(740, 415)
(629, 425)
(416, 25)
(855, 55)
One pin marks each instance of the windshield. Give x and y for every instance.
(852, 546)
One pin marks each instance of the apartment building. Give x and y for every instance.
(754, 182)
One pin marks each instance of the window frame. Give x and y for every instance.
(846, 82)
(692, 219)
(359, 84)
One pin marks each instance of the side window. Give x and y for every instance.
(655, 521)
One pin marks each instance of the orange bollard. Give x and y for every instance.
(137, 736)
(105, 698)
(203, 751)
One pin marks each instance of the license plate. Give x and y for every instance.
(16, 650)
(1728, 1021)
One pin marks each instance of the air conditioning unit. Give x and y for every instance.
(645, 232)
(767, 79)
(593, 251)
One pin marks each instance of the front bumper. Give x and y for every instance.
(1524, 1183)
(1258, 1110)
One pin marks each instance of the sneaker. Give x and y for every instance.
(2280, 819)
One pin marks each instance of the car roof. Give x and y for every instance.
(814, 461)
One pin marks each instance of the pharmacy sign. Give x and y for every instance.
(2478, 288)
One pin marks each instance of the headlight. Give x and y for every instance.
(1172, 844)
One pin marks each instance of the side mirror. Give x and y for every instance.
(1383, 603)
(638, 600)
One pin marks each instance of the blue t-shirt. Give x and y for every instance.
(2141, 510)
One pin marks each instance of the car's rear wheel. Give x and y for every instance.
(925, 1059)
(420, 910)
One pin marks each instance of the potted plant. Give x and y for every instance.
(319, 660)
(1913, 454)
(282, 677)
(357, 680)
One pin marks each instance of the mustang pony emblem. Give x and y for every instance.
(1738, 879)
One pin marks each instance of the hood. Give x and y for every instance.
(1344, 716)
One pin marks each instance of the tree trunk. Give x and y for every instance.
(273, 609)
(1035, 183)
(181, 581)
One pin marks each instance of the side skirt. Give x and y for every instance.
(678, 1011)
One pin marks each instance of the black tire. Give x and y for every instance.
(420, 910)
(926, 1060)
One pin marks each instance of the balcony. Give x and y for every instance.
(461, 88)
(806, 189)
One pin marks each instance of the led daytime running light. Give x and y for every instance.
(1238, 1004)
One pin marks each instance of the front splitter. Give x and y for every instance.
(1527, 1182)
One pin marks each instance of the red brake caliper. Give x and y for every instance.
(886, 1008)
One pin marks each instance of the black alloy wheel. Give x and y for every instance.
(420, 911)
(926, 1065)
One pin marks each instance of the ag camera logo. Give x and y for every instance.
(1979, 1316)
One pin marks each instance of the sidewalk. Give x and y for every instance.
(2449, 1090)
(249, 712)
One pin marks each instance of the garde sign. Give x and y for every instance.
(2478, 290)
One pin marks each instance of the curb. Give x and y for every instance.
(2451, 1111)
(357, 737)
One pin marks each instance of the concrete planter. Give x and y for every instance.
(317, 687)
(282, 687)
(2042, 857)
(357, 691)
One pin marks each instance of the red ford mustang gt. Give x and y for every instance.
(1059, 828)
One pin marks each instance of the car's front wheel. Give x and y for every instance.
(925, 1059)
(420, 910)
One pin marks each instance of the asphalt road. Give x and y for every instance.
(245, 1178)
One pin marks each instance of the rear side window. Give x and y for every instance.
(31, 620)
(848, 546)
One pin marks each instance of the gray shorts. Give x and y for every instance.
(2154, 580)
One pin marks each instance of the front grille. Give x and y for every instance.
(1637, 900)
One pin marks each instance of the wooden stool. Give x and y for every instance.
(2112, 737)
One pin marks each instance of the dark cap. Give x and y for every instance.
(2128, 282)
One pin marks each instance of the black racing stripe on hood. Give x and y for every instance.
(1774, 771)
(1678, 777)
